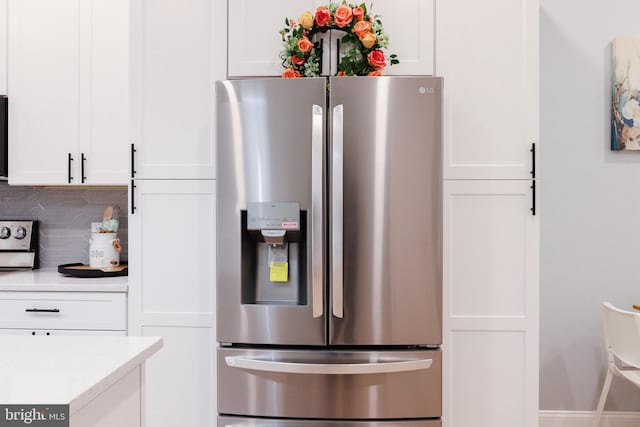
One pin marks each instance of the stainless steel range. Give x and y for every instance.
(18, 245)
(329, 252)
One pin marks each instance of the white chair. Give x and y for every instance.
(622, 337)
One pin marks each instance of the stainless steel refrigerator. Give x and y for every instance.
(329, 280)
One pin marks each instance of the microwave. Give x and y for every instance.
(4, 140)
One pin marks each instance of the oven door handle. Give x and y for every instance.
(328, 368)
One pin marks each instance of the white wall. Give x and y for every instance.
(590, 223)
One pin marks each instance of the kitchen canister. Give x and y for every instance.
(104, 250)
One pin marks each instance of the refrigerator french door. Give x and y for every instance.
(329, 248)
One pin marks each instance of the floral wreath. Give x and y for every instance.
(365, 41)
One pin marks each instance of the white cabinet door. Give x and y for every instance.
(255, 45)
(254, 40)
(44, 91)
(410, 26)
(490, 290)
(175, 63)
(104, 82)
(172, 246)
(181, 379)
(487, 53)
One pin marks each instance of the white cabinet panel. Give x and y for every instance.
(44, 91)
(180, 379)
(254, 41)
(172, 239)
(105, 91)
(487, 384)
(490, 293)
(173, 70)
(411, 27)
(3, 46)
(487, 53)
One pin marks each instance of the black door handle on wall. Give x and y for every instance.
(82, 160)
(69, 160)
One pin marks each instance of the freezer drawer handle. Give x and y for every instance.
(328, 368)
(316, 213)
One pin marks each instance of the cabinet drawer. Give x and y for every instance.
(63, 310)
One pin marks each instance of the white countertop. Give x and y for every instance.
(67, 370)
(50, 280)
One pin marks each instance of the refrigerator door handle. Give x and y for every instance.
(337, 182)
(316, 212)
(328, 368)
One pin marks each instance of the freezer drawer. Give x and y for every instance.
(254, 422)
(330, 384)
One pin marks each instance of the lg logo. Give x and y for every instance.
(424, 90)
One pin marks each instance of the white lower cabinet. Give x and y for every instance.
(490, 290)
(60, 332)
(172, 243)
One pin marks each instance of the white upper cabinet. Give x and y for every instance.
(255, 43)
(68, 94)
(487, 53)
(174, 64)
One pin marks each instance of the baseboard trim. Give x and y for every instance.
(585, 419)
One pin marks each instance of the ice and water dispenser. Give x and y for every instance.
(274, 254)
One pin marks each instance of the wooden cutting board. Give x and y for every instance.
(121, 267)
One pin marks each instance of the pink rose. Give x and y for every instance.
(305, 45)
(377, 60)
(375, 73)
(296, 60)
(358, 13)
(323, 16)
(343, 16)
(340, 74)
(290, 74)
(361, 28)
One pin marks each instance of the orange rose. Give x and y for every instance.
(340, 74)
(361, 28)
(368, 40)
(358, 13)
(375, 73)
(306, 20)
(305, 45)
(323, 16)
(343, 16)
(377, 60)
(290, 74)
(296, 60)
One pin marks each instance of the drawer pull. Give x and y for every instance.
(42, 310)
(328, 368)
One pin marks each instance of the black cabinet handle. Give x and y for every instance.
(533, 160)
(82, 160)
(69, 160)
(42, 310)
(133, 199)
(533, 197)
(133, 162)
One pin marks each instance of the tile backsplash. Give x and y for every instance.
(65, 216)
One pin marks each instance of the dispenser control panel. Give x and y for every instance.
(273, 216)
